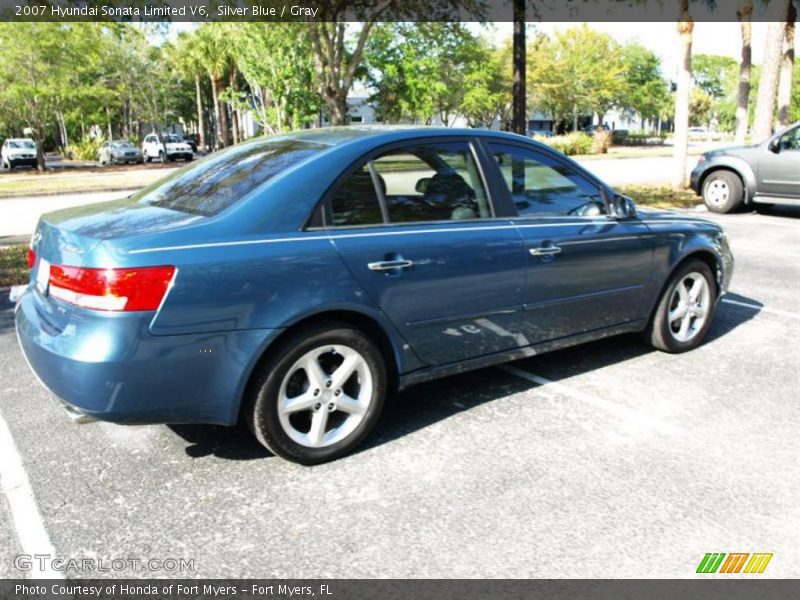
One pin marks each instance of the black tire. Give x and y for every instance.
(261, 405)
(723, 192)
(146, 158)
(161, 157)
(659, 332)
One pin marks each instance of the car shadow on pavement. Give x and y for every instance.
(6, 311)
(426, 404)
(779, 210)
(234, 443)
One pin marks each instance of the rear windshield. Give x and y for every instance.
(216, 183)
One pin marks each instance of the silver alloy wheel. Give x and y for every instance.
(688, 307)
(718, 192)
(325, 395)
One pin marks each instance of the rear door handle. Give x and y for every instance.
(545, 251)
(389, 265)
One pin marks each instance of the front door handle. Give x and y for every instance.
(390, 265)
(545, 251)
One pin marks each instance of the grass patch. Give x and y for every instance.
(660, 196)
(113, 181)
(14, 265)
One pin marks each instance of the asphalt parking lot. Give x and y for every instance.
(607, 460)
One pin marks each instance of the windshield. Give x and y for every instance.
(21, 144)
(212, 185)
(172, 139)
(125, 145)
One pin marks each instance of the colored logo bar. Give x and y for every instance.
(714, 562)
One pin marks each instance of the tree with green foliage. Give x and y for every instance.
(419, 70)
(275, 61)
(646, 91)
(488, 95)
(574, 72)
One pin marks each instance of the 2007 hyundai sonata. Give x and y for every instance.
(295, 281)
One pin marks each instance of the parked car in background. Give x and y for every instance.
(119, 152)
(768, 172)
(540, 133)
(191, 139)
(168, 147)
(18, 152)
(592, 128)
(296, 281)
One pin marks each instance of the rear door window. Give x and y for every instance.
(436, 181)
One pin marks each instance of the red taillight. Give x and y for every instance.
(31, 258)
(139, 288)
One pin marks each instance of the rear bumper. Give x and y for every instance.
(694, 178)
(109, 367)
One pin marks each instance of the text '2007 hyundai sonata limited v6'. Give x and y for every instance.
(295, 281)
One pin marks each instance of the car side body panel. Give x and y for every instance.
(246, 276)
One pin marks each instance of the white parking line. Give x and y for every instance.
(25, 515)
(636, 422)
(773, 311)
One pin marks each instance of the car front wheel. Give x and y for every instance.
(685, 309)
(319, 394)
(723, 192)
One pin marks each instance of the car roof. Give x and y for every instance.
(372, 135)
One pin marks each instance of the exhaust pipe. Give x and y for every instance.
(77, 416)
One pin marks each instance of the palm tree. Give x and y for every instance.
(215, 57)
(787, 68)
(188, 58)
(682, 95)
(518, 100)
(744, 13)
(768, 83)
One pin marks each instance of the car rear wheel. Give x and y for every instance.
(723, 192)
(319, 394)
(685, 310)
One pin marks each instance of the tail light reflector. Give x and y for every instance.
(31, 258)
(138, 288)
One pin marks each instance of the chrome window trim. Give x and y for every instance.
(300, 237)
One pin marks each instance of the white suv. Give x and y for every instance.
(169, 147)
(18, 151)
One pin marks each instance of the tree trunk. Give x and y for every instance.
(681, 136)
(234, 112)
(334, 68)
(337, 108)
(768, 85)
(108, 122)
(574, 118)
(220, 114)
(745, 13)
(787, 69)
(519, 116)
(201, 141)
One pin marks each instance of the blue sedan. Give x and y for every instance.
(296, 281)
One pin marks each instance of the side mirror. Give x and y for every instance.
(774, 145)
(422, 185)
(623, 207)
